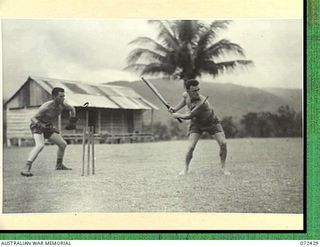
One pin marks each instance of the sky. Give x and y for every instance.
(96, 50)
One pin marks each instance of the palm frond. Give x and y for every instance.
(206, 36)
(147, 54)
(209, 32)
(231, 65)
(135, 67)
(220, 24)
(215, 69)
(222, 47)
(157, 68)
(148, 41)
(166, 36)
(151, 68)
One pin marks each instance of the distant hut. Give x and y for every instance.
(115, 112)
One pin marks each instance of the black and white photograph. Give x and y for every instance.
(153, 116)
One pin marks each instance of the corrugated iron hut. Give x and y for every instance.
(115, 112)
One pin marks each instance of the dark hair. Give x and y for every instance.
(190, 82)
(55, 91)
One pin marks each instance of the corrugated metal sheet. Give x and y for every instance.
(100, 96)
(94, 101)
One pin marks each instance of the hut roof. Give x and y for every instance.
(100, 96)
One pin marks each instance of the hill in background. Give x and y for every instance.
(227, 99)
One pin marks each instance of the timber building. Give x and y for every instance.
(115, 112)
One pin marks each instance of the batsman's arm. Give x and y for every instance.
(178, 107)
(155, 91)
(193, 112)
(182, 116)
(172, 111)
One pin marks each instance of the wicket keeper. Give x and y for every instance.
(42, 128)
(202, 119)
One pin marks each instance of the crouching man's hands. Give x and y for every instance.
(72, 123)
(43, 126)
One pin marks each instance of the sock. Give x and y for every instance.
(29, 164)
(59, 161)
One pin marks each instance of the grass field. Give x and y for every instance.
(267, 177)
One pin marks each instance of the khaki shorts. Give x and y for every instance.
(212, 129)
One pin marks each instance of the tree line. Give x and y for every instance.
(285, 122)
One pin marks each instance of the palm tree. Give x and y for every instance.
(185, 49)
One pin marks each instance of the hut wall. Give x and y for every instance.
(116, 121)
(119, 125)
(106, 120)
(18, 121)
(138, 121)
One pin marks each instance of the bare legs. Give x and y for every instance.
(193, 140)
(221, 140)
(39, 145)
(61, 143)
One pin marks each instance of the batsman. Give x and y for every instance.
(202, 119)
(42, 128)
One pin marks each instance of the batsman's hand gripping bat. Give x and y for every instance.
(155, 91)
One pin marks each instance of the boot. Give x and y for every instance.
(61, 166)
(27, 170)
